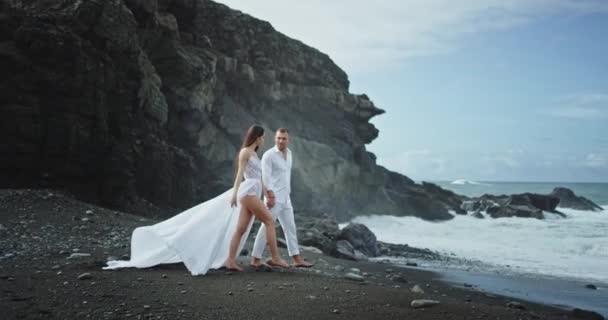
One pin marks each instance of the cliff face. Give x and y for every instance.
(136, 102)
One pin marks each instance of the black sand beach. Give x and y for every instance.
(52, 248)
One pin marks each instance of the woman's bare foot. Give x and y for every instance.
(255, 262)
(299, 262)
(233, 266)
(278, 263)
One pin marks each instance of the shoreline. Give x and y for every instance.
(52, 249)
(558, 292)
(555, 291)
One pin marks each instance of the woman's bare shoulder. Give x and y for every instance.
(244, 154)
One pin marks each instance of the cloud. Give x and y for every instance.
(510, 159)
(362, 36)
(596, 161)
(515, 164)
(587, 106)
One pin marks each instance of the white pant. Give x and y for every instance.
(284, 212)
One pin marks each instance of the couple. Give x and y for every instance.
(211, 234)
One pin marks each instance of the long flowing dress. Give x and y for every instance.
(200, 236)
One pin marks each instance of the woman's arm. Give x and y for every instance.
(243, 157)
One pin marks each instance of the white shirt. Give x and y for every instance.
(276, 173)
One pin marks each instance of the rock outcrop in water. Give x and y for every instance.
(527, 205)
(141, 104)
(567, 199)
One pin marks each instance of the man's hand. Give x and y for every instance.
(270, 199)
(270, 202)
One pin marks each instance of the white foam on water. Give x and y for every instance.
(464, 181)
(573, 247)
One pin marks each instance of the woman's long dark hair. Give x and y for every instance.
(253, 133)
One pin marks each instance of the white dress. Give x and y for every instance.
(200, 236)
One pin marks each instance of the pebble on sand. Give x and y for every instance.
(423, 303)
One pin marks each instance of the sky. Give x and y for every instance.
(492, 90)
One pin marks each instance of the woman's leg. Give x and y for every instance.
(255, 205)
(241, 227)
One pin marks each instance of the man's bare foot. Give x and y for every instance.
(298, 262)
(232, 266)
(278, 263)
(255, 262)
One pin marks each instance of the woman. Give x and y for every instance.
(211, 234)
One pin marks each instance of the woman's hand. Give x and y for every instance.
(233, 200)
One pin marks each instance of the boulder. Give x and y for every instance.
(567, 199)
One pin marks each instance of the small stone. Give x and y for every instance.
(336, 311)
(85, 276)
(423, 303)
(411, 264)
(184, 292)
(164, 276)
(78, 255)
(146, 306)
(516, 305)
(89, 212)
(249, 289)
(354, 277)
(355, 270)
(325, 288)
(55, 267)
(339, 268)
(230, 293)
(417, 289)
(591, 286)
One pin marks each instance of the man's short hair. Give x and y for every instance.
(283, 130)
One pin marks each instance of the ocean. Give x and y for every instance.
(572, 249)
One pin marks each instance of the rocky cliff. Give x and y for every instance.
(142, 104)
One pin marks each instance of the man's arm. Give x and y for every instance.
(267, 174)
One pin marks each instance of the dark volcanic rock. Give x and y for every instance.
(321, 233)
(525, 205)
(344, 250)
(361, 238)
(567, 199)
(141, 104)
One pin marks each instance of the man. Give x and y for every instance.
(276, 174)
